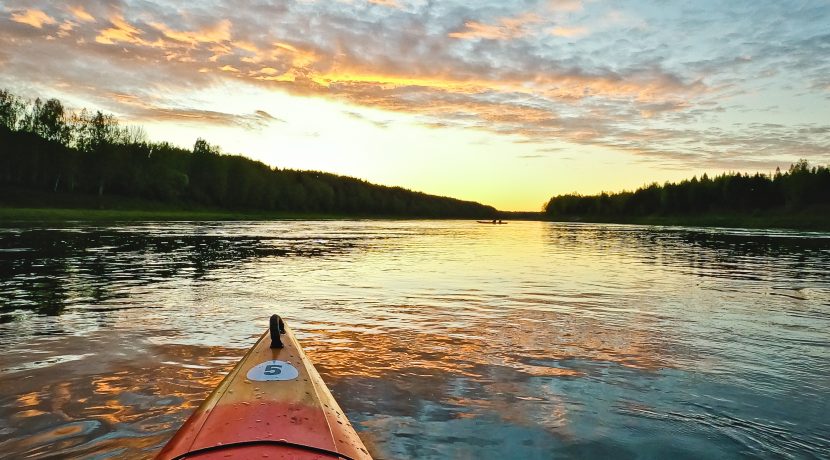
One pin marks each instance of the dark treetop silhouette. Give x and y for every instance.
(801, 189)
(44, 148)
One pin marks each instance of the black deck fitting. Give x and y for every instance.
(277, 327)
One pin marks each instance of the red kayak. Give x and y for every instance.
(274, 405)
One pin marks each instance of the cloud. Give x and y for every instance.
(34, 18)
(504, 29)
(144, 112)
(389, 3)
(378, 123)
(121, 32)
(217, 33)
(81, 14)
(569, 31)
(638, 81)
(565, 5)
(267, 117)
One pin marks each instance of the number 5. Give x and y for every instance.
(273, 369)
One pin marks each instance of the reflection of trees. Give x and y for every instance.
(46, 271)
(49, 295)
(717, 253)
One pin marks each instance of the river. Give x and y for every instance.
(440, 339)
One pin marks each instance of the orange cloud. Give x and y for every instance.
(122, 32)
(280, 54)
(81, 14)
(66, 28)
(505, 29)
(218, 33)
(34, 18)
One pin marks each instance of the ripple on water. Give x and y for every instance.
(440, 339)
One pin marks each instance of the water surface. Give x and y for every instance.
(438, 338)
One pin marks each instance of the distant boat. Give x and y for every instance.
(491, 222)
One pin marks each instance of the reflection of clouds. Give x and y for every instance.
(123, 406)
(447, 371)
(534, 344)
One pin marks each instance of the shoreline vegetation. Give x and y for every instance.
(56, 165)
(136, 215)
(797, 199)
(784, 221)
(813, 220)
(70, 160)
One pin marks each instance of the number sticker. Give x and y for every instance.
(273, 371)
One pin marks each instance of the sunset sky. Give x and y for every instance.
(501, 102)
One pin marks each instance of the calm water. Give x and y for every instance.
(439, 339)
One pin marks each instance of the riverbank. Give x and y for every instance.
(26, 205)
(112, 215)
(818, 220)
(813, 219)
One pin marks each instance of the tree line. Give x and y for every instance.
(45, 147)
(801, 187)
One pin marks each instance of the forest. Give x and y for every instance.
(801, 188)
(45, 148)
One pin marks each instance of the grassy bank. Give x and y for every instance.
(25, 205)
(812, 220)
(8, 214)
(815, 220)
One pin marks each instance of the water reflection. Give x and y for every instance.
(439, 339)
(48, 270)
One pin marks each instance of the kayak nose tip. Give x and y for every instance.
(277, 327)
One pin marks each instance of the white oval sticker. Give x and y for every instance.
(273, 371)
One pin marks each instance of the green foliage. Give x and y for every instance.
(48, 120)
(800, 187)
(43, 149)
(12, 109)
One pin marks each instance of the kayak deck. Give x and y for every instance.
(272, 403)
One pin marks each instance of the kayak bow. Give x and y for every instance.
(273, 403)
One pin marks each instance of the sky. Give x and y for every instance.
(503, 102)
